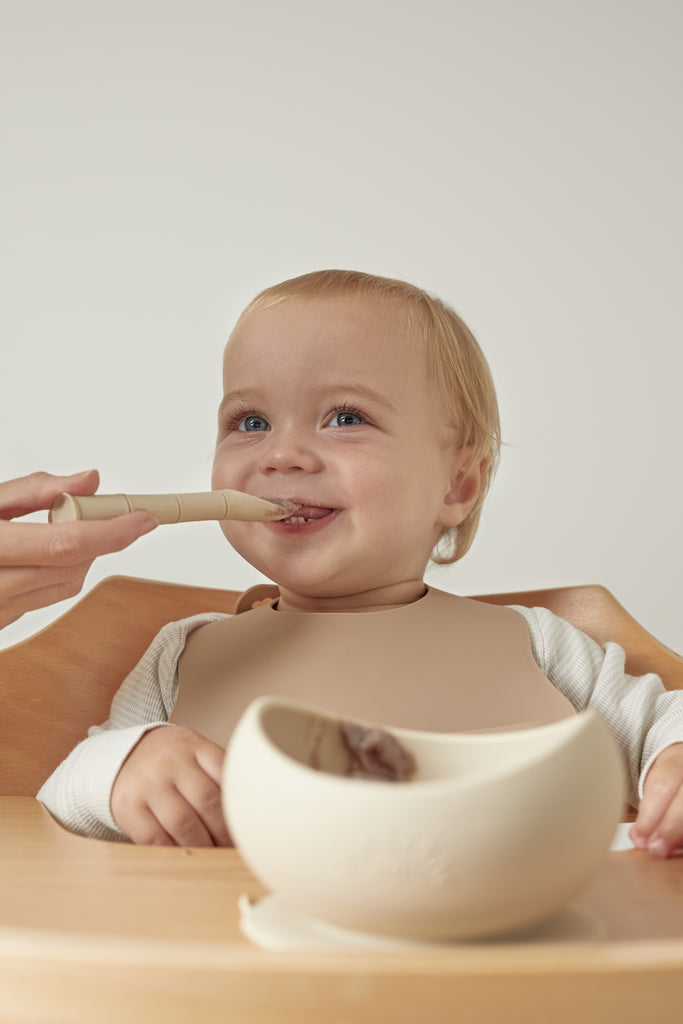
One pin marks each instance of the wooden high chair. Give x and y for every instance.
(57, 683)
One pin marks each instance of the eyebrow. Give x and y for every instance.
(249, 396)
(240, 396)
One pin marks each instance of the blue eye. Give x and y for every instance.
(252, 423)
(346, 418)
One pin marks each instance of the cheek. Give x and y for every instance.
(224, 471)
(237, 535)
(217, 467)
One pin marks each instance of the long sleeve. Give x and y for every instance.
(642, 715)
(79, 790)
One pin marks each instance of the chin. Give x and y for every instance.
(309, 585)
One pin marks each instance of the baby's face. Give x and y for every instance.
(329, 405)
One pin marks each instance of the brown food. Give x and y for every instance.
(375, 754)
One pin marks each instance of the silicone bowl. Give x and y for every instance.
(495, 832)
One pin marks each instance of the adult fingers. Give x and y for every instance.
(23, 593)
(63, 544)
(37, 491)
(22, 581)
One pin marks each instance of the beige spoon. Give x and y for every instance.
(172, 508)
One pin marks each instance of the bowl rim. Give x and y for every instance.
(567, 730)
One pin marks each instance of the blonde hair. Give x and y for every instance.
(457, 364)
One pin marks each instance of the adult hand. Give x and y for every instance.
(41, 563)
(167, 792)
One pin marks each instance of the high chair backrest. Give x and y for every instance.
(595, 611)
(59, 682)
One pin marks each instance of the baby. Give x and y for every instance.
(370, 405)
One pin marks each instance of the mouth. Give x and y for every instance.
(306, 513)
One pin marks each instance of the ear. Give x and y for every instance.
(467, 481)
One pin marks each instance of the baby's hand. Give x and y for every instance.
(659, 825)
(168, 790)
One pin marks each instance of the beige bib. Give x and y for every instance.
(443, 663)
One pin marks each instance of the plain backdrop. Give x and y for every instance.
(164, 160)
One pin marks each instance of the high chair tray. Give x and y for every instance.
(92, 930)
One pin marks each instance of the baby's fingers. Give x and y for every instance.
(140, 823)
(168, 790)
(659, 825)
(180, 820)
(668, 836)
(205, 800)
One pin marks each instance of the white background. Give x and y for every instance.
(163, 161)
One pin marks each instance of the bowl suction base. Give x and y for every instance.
(272, 925)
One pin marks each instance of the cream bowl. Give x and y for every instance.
(493, 833)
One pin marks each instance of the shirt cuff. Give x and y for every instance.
(78, 793)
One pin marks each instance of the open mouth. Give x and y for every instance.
(308, 514)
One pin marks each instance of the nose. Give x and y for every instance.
(290, 450)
